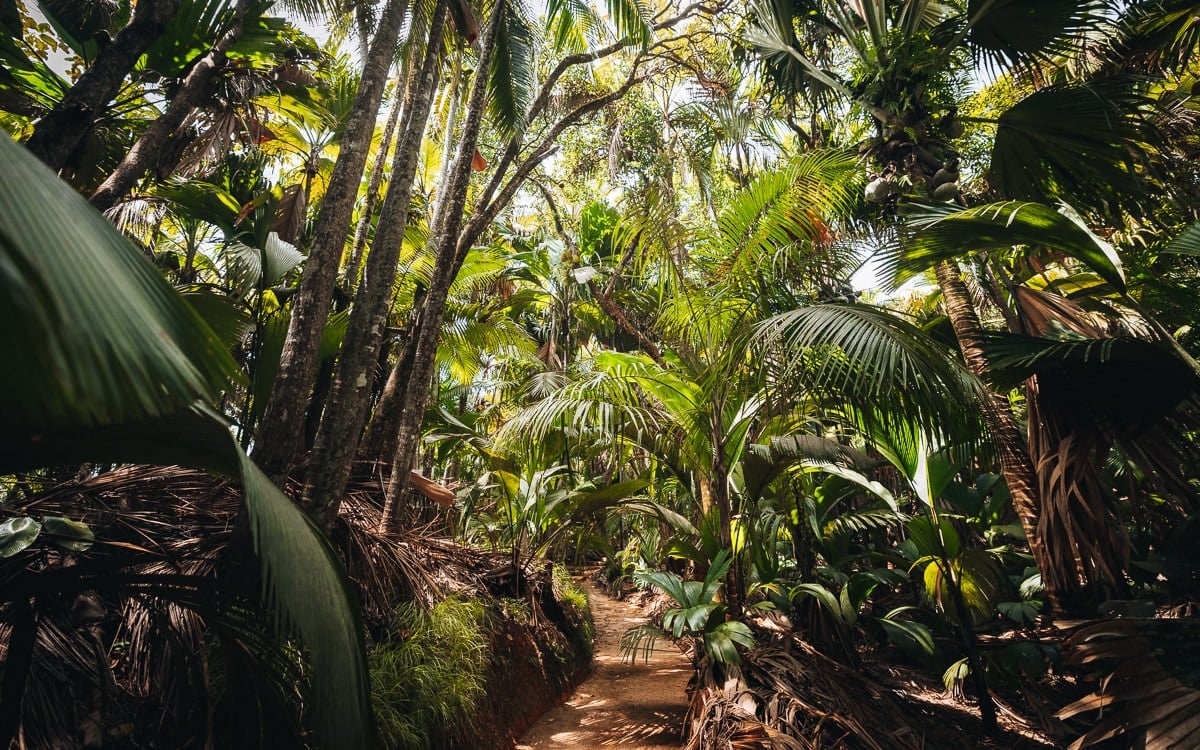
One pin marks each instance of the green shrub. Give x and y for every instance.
(428, 677)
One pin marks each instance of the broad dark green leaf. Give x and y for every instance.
(1023, 31)
(100, 336)
(944, 232)
(1073, 143)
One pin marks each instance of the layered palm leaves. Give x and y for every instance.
(732, 375)
(117, 368)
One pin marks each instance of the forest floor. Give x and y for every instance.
(633, 705)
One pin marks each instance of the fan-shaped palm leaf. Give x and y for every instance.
(1017, 32)
(1075, 143)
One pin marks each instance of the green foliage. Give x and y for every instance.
(118, 368)
(428, 676)
(698, 615)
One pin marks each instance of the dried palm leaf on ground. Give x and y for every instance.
(817, 703)
(1148, 690)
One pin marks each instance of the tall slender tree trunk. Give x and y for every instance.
(1015, 462)
(367, 213)
(59, 132)
(282, 425)
(341, 427)
(150, 144)
(447, 248)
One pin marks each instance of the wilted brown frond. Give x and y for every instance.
(1147, 672)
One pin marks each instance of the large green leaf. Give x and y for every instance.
(1123, 382)
(1021, 31)
(99, 335)
(945, 232)
(114, 365)
(1072, 143)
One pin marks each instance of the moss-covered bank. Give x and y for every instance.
(476, 672)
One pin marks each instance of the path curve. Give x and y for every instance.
(621, 705)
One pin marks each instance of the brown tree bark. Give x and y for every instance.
(341, 428)
(150, 143)
(279, 437)
(425, 337)
(1015, 462)
(367, 213)
(59, 133)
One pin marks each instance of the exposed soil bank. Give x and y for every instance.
(638, 706)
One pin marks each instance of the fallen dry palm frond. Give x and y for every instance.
(796, 698)
(1148, 690)
(161, 617)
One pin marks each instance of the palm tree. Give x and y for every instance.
(910, 56)
(287, 406)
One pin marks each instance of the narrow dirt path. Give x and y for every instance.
(637, 706)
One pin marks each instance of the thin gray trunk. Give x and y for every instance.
(448, 140)
(57, 135)
(368, 210)
(279, 437)
(150, 143)
(341, 427)
(446, 246)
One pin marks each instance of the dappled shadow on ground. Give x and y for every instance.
(636, 706)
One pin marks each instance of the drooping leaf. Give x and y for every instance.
(946, 232)
(101, 336)
(513, 79)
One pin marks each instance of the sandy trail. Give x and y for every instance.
(621, 705)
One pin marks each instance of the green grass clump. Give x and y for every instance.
(429, 676)
(568, 592)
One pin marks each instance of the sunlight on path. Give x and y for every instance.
(621, 705)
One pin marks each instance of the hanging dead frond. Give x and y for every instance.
(1148, 683)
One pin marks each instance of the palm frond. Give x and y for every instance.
(115, 368)
(633, 20)
(945, 232)
(870, 357)
(1021, 32)
(1149, 691)
(571, 23)
(102, 336)
(512, 79)
(1074, 143)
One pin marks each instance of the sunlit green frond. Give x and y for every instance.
(871, 358)
(1187, 243)
(1075, 143)
(633, 19)
(513, 77)
(773, 36)
(786, 207)
(571, 23)
(945, 232)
